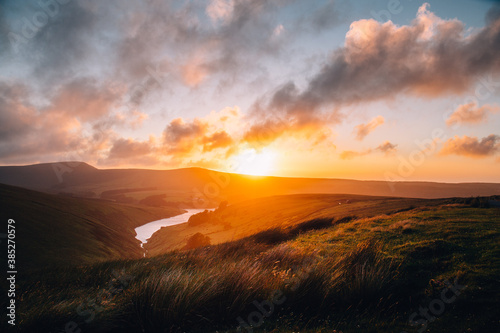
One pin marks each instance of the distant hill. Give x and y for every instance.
(201, 188)
(54, 229)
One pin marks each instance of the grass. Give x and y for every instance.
(339, 274)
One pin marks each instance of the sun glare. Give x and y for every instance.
(252, 162)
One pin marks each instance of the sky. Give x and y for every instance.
(370, 89)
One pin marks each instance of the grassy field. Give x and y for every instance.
(434, 267)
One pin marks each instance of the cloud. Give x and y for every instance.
(493, 13)
(350, 154)
(16, 113)
(73, 83)
(322, 17)
(217, 140)
(99, 38)
(278, 30)
(26, 131)
(220, 10)
(86, 99)
(194, 72)
(471, 113)
(387, 148)
(77, 121)
(181, 137)
(472, 146)
(263, 133)
(127, 148)
(364, 129)
(215, 134)
(431, 57)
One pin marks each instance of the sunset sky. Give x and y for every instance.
(397, 90)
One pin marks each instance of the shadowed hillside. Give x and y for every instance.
(54, 229)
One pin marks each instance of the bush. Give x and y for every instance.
(315, 224)
(197, 240)
(271, 236)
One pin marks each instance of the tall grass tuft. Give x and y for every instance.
(361, 276)
(214, 294)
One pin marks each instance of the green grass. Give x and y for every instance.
(367, 274)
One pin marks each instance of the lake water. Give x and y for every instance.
(144, 232)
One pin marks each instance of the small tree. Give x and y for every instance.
(197, 240)
(222, 206)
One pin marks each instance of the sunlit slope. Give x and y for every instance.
(249, 217)
(54, 229)
(202, 188)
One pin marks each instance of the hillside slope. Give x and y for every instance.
(54, 229)
(249, 217)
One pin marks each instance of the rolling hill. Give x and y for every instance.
(202, 188)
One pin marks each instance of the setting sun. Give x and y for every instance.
(252, 162)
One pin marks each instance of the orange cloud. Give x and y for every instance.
(350, 154)
(181, 137)
(472, 146)
(264, 133)
(213, 137)
(217, 140)
(387, 148)
(364, 129)
(471, 113)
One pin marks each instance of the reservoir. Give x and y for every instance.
(145, 231)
